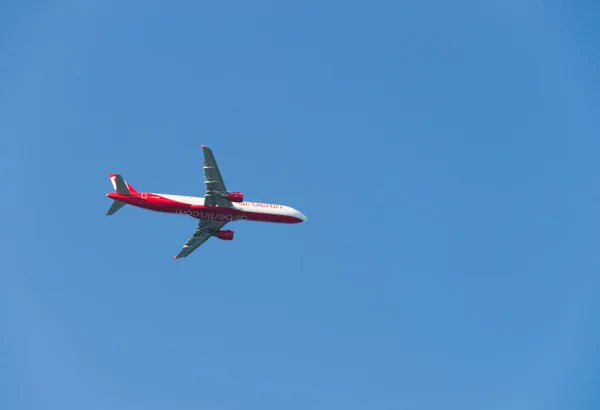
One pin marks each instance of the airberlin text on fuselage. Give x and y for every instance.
(213, 217)
(257, 204)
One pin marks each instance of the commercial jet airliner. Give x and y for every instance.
(215, 210)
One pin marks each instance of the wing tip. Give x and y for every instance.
(175, 257)
(203, 146)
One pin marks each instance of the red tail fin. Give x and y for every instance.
(131, 189)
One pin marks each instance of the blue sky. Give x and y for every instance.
(445, 154)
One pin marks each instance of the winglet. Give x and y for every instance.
(203, 146)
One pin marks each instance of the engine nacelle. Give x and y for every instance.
(225, 235)
(235, 196)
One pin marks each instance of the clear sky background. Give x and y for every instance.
(445, 153)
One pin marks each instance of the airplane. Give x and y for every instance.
(216, 209)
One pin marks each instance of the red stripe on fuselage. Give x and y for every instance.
(157, 203)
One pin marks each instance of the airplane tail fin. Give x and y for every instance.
(121, 186)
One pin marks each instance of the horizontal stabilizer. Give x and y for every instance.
(115, 207)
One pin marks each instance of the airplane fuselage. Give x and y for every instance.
(194, 207)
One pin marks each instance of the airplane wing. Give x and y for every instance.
(203, 233)
(215, 186)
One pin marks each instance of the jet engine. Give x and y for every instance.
(225, 235)
(235, 196)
